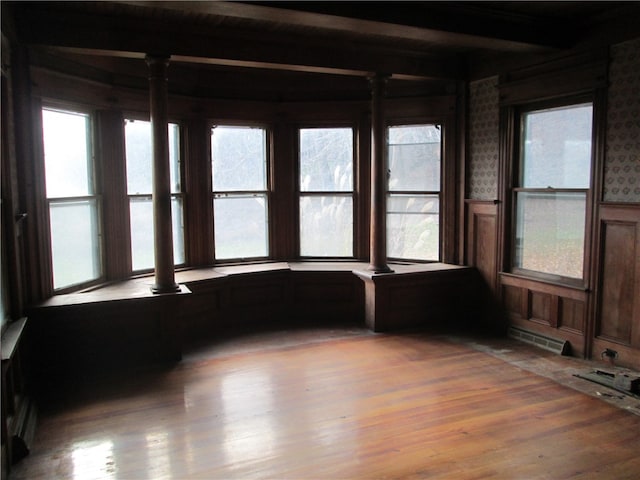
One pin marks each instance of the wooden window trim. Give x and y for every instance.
(268, 192)
(578, 75)
(355, 192)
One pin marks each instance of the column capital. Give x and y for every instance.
(378, 80)
(379, 76)
(157, 64)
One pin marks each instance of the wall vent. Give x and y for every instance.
(561, 347)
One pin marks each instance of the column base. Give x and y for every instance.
(165, 288)
(379, 269)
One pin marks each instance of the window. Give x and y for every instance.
(326, 192)
(240, 192)
(413, 199)
(71, 198)
(138, 146)
(552, 190)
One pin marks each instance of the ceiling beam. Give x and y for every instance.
(450, 23)
(80, 32)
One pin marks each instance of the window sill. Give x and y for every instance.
(514, 278)
(140, 287)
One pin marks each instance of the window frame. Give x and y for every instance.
(93, 177)
(268, 192)
(138, 117)
(441, 193)
(515, 187)
(353, 193)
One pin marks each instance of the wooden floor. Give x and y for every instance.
(345, 405)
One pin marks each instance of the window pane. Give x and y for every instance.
(142, 234)
(241, 226)
(74, 245)
(67, 156)
(326, 160)
(138, 146)
(550, 232)
(557, 148)
(142, 243)
(239, 158)
(413, 227)
(178, 231)
(174, 157)
(414, 158)
(326, 226)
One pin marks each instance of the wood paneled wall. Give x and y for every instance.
(592, 320)
(551, 310)
(617, 323)
(482, 242)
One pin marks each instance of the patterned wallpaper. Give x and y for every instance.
(622, 157)
(482, 173)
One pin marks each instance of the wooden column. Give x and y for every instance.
(378, 226)
(164, 274)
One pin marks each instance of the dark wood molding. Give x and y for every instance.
(12, 215)
(461, 119)
(568, 75)
(31, 185)
(594, 205)
(198, 203)
(110, 151)
(363, 186)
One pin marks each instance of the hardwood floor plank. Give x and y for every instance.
(369, 406)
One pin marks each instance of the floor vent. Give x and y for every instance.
(624, 382)
(561, 347)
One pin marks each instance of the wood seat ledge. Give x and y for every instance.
(140, 287)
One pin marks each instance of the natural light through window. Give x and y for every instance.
(139, 187)
(240, 192)
(326, 192)
(73, 207)
(413, 200)
(94, 460)
(551, 197)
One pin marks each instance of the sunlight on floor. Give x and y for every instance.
(93, 460)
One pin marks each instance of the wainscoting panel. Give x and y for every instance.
(554, 311)
(617, 323)
(482, 239)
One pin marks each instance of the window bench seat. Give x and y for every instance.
(122, 323)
